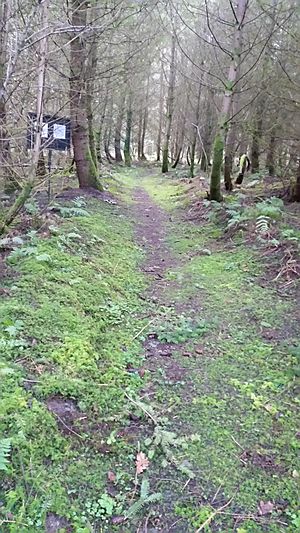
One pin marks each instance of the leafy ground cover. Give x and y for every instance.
(149, 367)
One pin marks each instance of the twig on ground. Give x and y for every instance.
(218, 490)
(67, 427)
(212, 516)
(140, 406)
(141, 330)
(186, 484)
(237, 443)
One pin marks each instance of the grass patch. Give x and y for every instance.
(66, 333)
(239, 396)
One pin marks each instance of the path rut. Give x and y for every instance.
(151, 229)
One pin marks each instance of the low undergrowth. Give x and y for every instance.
(69, 317)
(237, 393)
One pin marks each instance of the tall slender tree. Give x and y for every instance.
(170, 106)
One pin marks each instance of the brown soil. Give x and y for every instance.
(151, 228)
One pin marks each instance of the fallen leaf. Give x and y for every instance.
(141, 372)
(111, 476)
(142, 462)
(265, 508)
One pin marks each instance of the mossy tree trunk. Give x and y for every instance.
(127, 143)
(84, 160)
(90, 86)
(220, 138)
(170, 107)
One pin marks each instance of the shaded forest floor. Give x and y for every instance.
(149, 361)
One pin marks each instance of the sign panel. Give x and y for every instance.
(56, 133)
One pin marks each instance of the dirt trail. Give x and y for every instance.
(151, 233)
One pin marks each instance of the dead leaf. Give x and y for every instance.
(142, 462)
(265, 508)
(141, 372)
(111, 476)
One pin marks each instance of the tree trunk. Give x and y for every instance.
(219, 142)
(297, 186)
(102, 120)
(270, 163)
(118, 130)
(161, 108)
(195, 132)
(170, 107)
(231, 139)
(90, 86)
(25, 193)
(127, 143)
(85, 167)
(140, 135)
(256, 139)
(144, 129)
(6, 167)
(229, 154)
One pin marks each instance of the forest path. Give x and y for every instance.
(213, 366)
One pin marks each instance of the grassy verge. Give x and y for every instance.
(67, 335)
(237, 394)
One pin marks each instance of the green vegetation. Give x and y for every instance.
(216, 418)
(238, 395)
(67, 333)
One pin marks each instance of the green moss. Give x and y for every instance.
(67, 330)
(238, 393)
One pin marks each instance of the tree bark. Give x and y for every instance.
(90, 86)
(297, 186)
(7, 174)
(161, 108)
(229, 154)
(170, 107)
(118, 130)
(256, 138)
(195, 132)
(270, 163)
(140, 134)
(127, 143)
(85, 167)
(219, 142)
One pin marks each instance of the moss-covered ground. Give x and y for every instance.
(223, 455)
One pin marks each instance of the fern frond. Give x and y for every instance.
(262, 224)
(153, 498)
(5, 447)
(145, 487)
(135, 508)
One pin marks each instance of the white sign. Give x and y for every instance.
(59, 131)
(45, 130)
